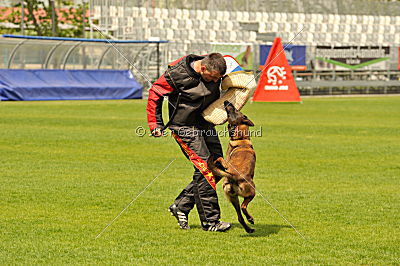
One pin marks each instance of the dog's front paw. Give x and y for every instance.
(251, 220)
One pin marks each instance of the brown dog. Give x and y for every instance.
(239, 164)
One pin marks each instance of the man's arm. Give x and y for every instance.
(157, 92)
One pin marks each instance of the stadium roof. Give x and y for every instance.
(78, 39)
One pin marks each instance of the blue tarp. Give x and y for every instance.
(48, 84)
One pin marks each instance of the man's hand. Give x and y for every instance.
(156, 132)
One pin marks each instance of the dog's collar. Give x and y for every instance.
(240, 142)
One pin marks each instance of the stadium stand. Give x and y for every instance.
(318, 28)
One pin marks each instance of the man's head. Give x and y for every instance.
(213, 67)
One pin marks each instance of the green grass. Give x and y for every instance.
(331, 166)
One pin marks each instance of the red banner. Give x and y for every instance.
(276, 83)
(197, 161)
(398, 63)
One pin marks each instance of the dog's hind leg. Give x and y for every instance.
(235, 202)
(244, 208)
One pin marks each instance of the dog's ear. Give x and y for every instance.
(247, 121)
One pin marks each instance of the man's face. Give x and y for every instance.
(209, 76)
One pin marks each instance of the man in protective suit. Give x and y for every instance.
(192, 84)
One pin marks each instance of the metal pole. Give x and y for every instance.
(53, 18)
(22, 17)
(90, 18)
(83, 18)
(158, 59)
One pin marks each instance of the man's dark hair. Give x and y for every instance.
(215, 62)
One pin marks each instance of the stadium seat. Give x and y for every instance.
(246, 16)
(189, 24)
(397, 39)
(311, 27)
(174, 24)
(313, 18)
(172, 13)
(328, 38)
(155, 33)
(397, 29)
(364, 20)
(178, 13)
(202, 25)
(239, 16)
(217, 25)
(206, 15)
(157, 12)
(164, 13)
(112, 11)
(129, 22)
(271, 17)
(142, 12)
(301, 18)
(370, 38)
(199, 14)
(209, 24)
(219, 35)
(359, 28)
(192, 14)
(278, 17)
(379, 38)
(196, 24)
(190, 34)
(121, 12)
(182, 23)
(348, 19)
(353, 19)
(239, 36)
(114, 22)
(381, 29)
(226, 36)
(153, 23)
(178, 34)
(212, 35)
(364, 28)
(185, 14)
(293, 27)
(219, 15)
(96, 12)
(229, 25)
(170, 34)
(227, 15)
(222, 25)
(343, 37)
(274, 27)
(342, 19)
(283, 17)
(257, 17)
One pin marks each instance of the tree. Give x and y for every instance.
(38, 18)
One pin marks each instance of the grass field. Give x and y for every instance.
(331, 166)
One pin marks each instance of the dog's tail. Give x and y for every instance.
(215, 170)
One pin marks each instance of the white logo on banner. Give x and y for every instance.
(276, 75)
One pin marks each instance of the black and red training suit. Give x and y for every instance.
(188, 95)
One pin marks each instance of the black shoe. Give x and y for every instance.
(180, 216)
(218, 226)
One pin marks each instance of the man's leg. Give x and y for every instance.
(185, 200)
(195, 148)
(214, 146)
